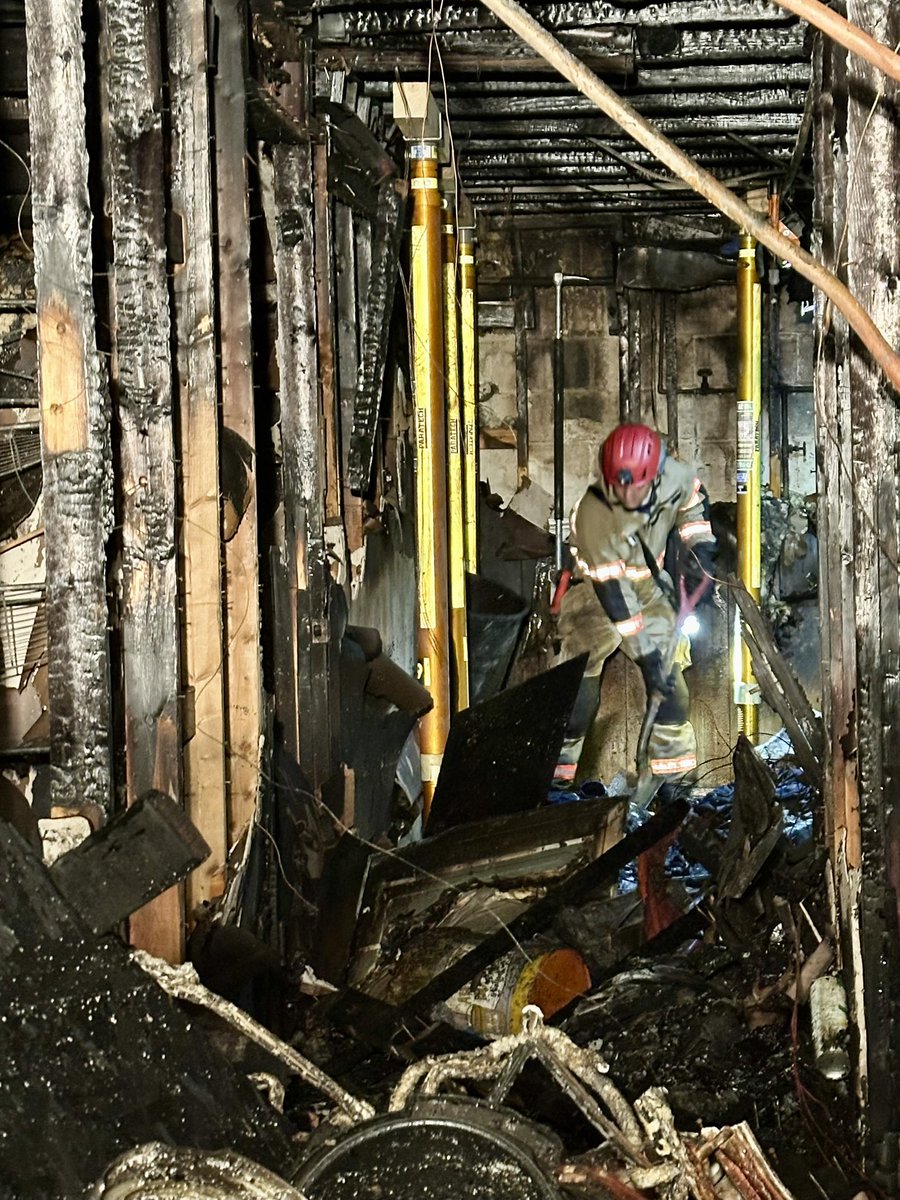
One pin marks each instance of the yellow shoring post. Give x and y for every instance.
(749, 394)
(456, 520)
(433, 641)
(469, 353)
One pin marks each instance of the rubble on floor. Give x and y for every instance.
(492, 1012)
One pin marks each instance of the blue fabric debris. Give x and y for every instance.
(791, 790)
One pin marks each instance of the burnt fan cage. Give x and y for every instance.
(23, 613)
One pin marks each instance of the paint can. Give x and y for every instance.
(492, 1003)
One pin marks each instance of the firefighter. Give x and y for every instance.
(641, 502)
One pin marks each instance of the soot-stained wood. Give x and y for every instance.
(200, 533)
(386, 230)
(109, 1060)
(241, 615)
(74, 410)
(141, 377)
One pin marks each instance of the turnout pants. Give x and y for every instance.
(584, 626)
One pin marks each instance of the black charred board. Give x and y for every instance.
(501, 754)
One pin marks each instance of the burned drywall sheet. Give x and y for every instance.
(857, 141)
(74, 410)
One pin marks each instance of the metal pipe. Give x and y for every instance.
(469, 350)
(433, 638)
(721, 197)
(456, 537)
(748, 472)
(559, 416)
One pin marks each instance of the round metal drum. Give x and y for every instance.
(439, 1151)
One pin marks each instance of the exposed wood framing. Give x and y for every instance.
(201, 548)
(74, 410)
(242, 620)
(141, 374)
(303, 578)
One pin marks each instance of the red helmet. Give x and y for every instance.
(632, 454)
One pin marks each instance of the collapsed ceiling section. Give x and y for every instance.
(726, 80)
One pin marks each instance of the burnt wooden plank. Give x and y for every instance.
(386, 231)
(835, 509)
(135, 857)
(109, 1061)
(780, 687)
(872, 254)
(74, 409)
(141, 376)
(243, 675)
(194, 304)
(302, 578)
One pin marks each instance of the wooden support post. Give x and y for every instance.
(325, 306)
(835, 484)
(138, 856)
(141, 374)
(243, 713)
(872, 257)
(201, 547)
(304, 580)
(74, 410)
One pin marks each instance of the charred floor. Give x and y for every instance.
(315, 317)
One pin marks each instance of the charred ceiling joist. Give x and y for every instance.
(727, 81)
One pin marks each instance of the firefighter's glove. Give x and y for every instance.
(697, 568)
(655, 680)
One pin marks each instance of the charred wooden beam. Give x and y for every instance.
(241, 616)
(75, 413)
(780, 687)
(358, 163)
(872, 257)
(386, 234)
(376, 1022)
(695, 124)
(133, 859)
(141, 374)
(606, 51)
(758, 99)
(341, 21)
(194, 303)
(303, 578)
